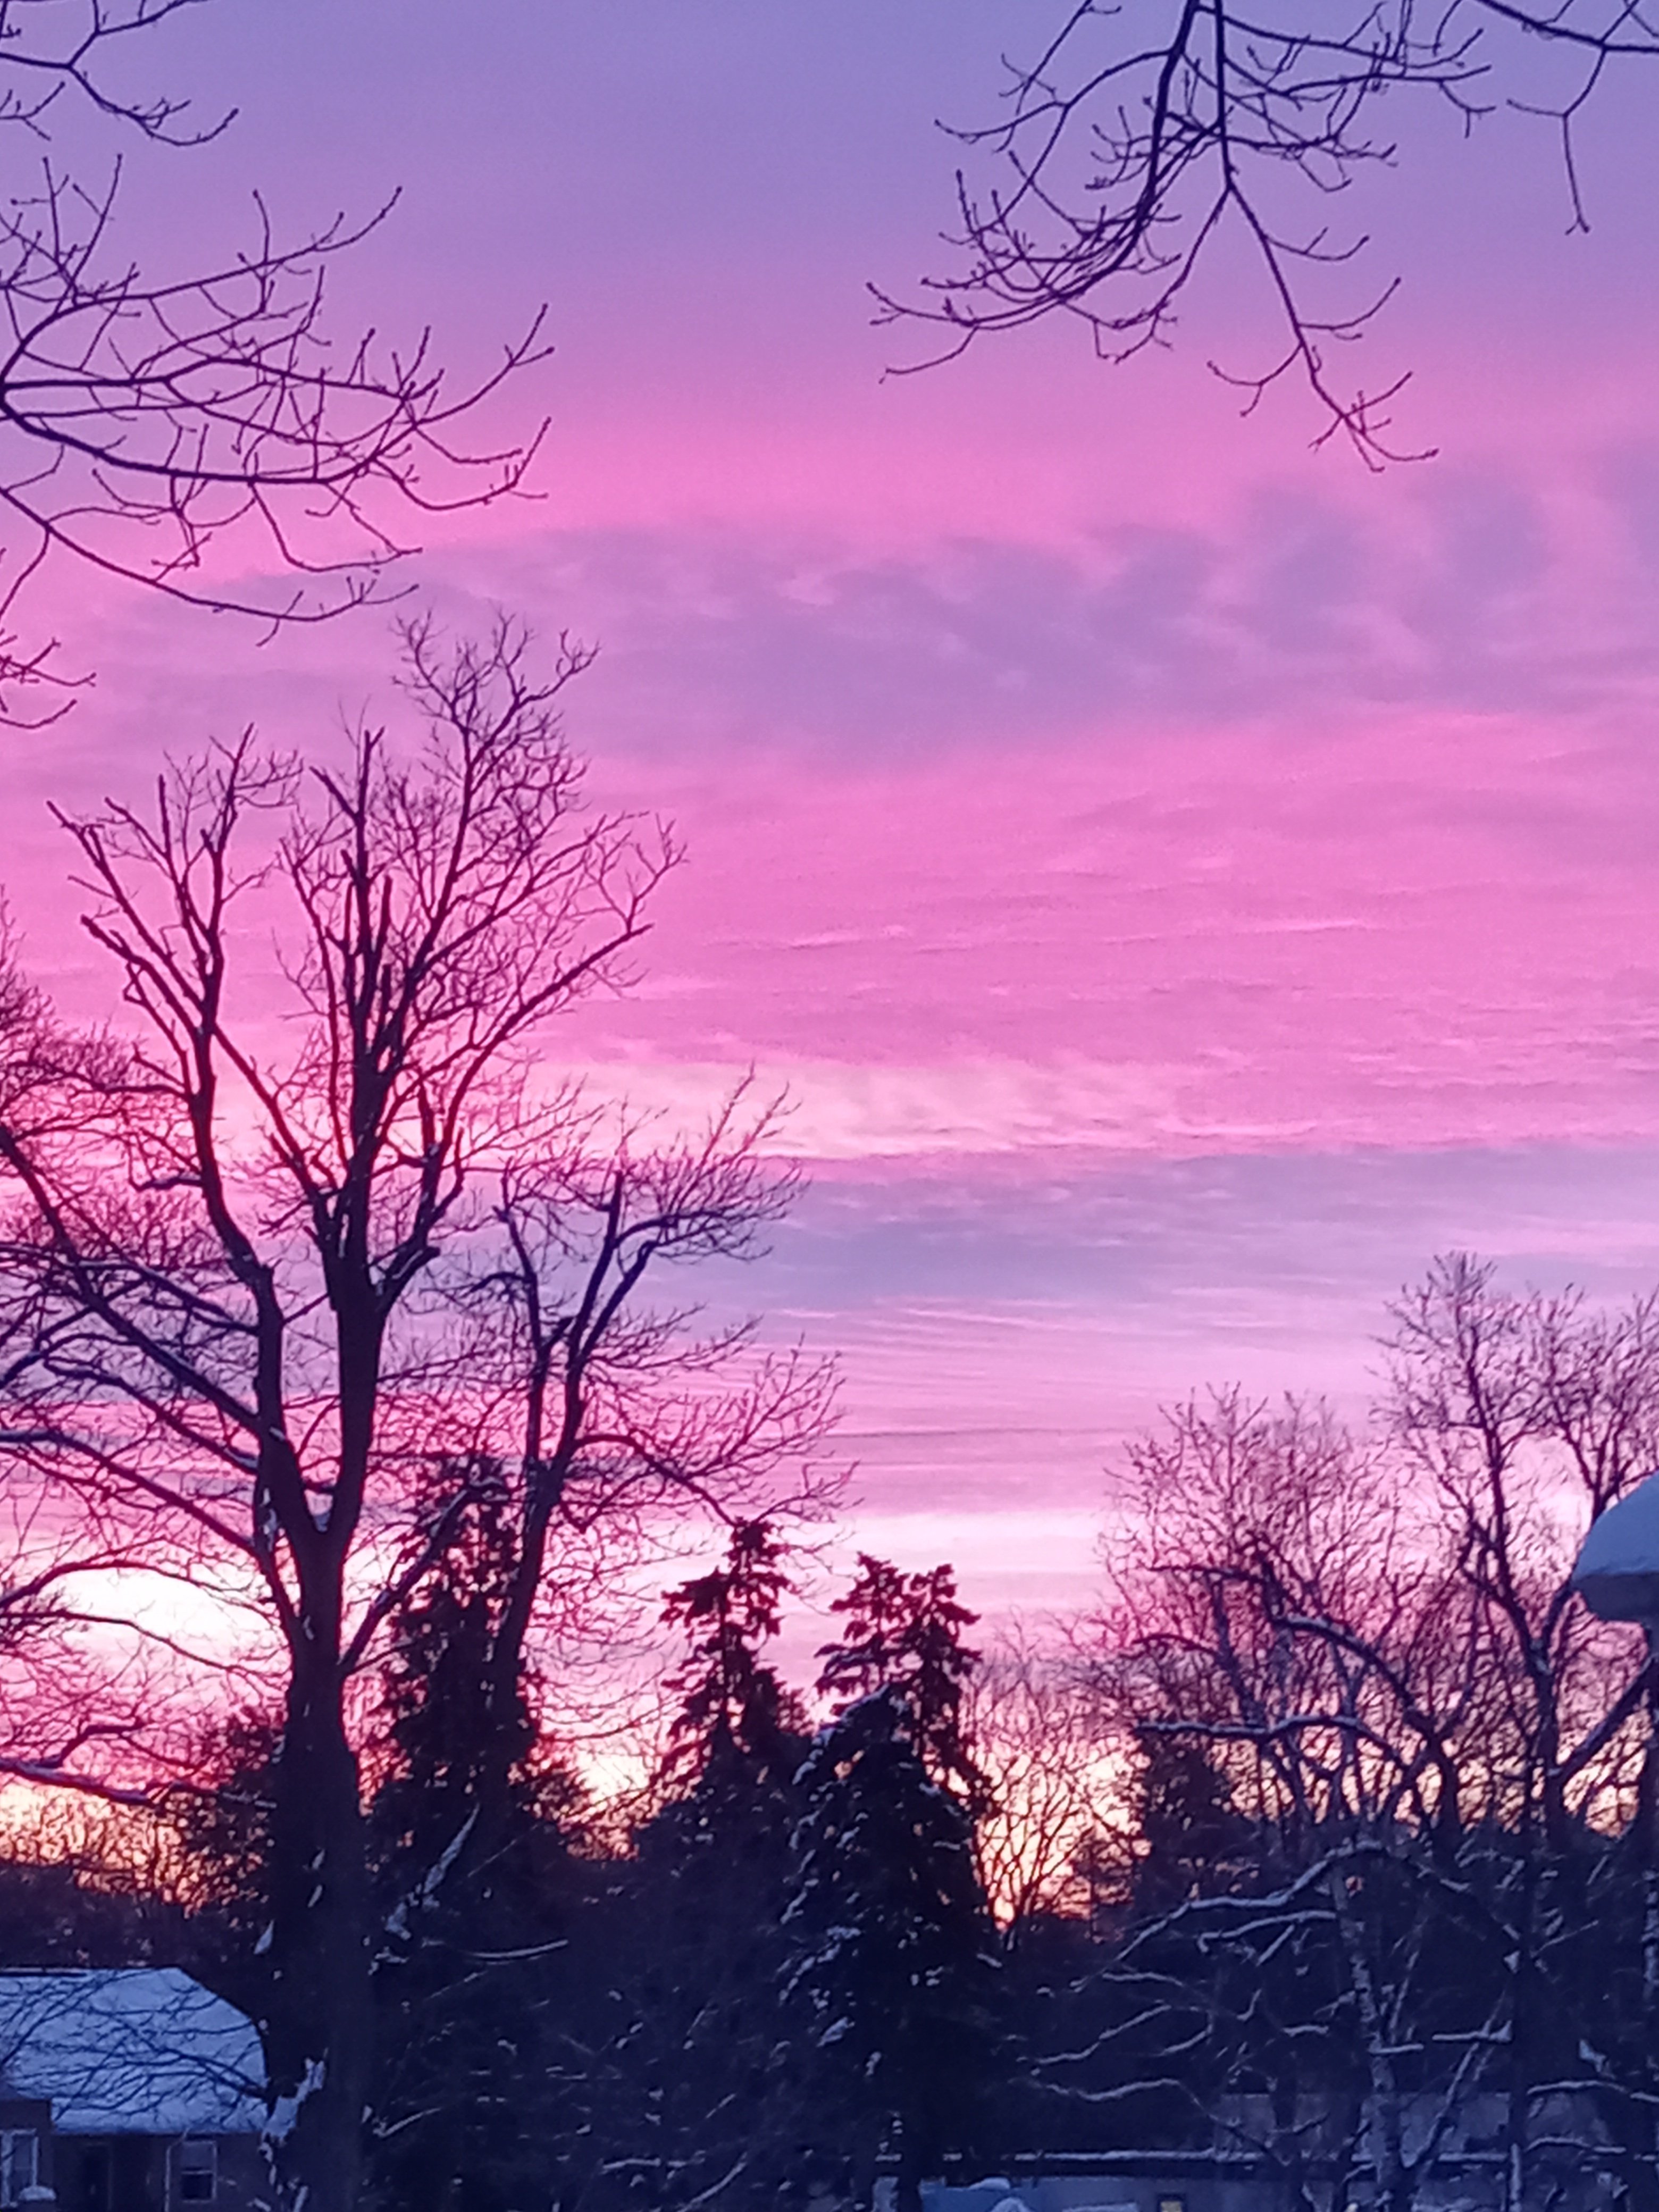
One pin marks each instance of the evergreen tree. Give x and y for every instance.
(700, 2103)
(1193, 1840)
(82, 1913)
(904, 1632)
(437, 1711)
(896, 1979)
(477, 1890)
(223, 1829)
(735, 1715)
(895, 1972)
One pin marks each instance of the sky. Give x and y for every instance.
(1182, 879)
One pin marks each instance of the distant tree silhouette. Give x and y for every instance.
(222, 1825)
(904, 1632)
(734, 1712)
(895, 1983)
(1192, 1836)
(479, 1887)
(699, 2098)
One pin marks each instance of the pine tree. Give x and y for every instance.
(735, 1715)
(1193, 1839)
(220, 1828)
(436, 1707)
(895, 1981)
(904, 1631)
(701, 2102)
(477, 1891)
(895, 1971)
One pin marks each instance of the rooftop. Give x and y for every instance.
(123, 2051)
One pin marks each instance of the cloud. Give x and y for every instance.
(1318, 825)
(843, 1110)
(1474, 593)
(1006, 1330)
(1467, 593)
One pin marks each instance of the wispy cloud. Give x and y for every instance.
(1474, 594)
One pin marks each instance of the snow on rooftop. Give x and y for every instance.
(1617, 1573)
(122, 2050)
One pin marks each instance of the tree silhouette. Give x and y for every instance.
(1134, 144)
(206, 431)
(895, 1975)
(904, 1633)
(252, 1280)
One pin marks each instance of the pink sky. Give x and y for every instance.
(1183, 881)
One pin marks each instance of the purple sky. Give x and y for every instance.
(1184, 880)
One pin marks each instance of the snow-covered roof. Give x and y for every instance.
(1617, 1573)
(130, 2050)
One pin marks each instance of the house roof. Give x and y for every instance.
(130, 2050)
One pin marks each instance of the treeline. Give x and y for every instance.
(1394, 1899)
(1328, 1839)
(780, 1971)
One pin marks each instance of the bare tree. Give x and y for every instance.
(1398, 1789)
(1051, 1759)
(81, 1692)
(272, 1258)
(609, 1407)
(1503, 1402)
(1135, 142)
(1296, 1640)
(150, 415)
(1496, 1398)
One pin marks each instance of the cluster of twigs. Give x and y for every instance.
(1140, 135)
(204, 434)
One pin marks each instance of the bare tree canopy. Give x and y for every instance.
(146, 414)
(1395, 1784)
(1139, 138)
(287, 1293)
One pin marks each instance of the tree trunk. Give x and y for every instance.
(318, 2026)
(1394, 2177)
(1525, 1996)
